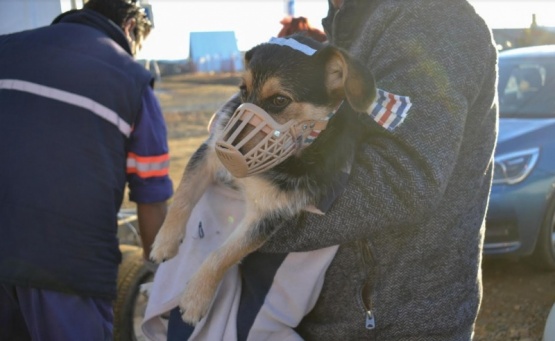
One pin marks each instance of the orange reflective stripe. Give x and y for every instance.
(149, 159)
(148, 174)
(148, 166)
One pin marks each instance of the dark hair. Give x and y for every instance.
(119, 11)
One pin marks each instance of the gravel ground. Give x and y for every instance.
(516, 298)
(516, 301)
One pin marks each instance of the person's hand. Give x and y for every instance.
(150, 217)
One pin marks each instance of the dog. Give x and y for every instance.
(303, 104)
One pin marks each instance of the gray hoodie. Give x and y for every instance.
(411, 220)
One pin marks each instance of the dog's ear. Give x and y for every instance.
(347, 78)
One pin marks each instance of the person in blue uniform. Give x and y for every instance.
(78, 123)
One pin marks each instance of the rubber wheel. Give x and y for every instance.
(543, 257)
(131, 274)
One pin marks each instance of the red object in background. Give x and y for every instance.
(300, 24)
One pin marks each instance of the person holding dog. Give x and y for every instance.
(410, 220)
(406, 227)
(79, 122)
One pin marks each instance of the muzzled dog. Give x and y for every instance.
(299, 123)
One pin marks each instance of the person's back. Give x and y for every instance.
(66, 113)
(72, 98)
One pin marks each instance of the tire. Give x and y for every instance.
(130, 302)
(543, 257)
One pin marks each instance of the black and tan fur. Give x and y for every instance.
(287, 84)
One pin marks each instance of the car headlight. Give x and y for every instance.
(514, 167)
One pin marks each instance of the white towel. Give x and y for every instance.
(289, 299)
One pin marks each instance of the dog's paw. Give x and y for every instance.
(164, 247)
(196, 300)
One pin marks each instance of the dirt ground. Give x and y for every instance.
(516, 298)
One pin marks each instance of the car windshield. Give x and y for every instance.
(527, 88)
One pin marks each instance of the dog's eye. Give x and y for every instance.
(280, 101)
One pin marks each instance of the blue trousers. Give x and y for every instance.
(43, 315)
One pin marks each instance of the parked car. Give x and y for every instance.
(521, 214)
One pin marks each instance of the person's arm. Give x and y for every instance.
(150, 217)
(147, 169)
(399, 176)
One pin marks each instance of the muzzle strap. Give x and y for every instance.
(319, 126)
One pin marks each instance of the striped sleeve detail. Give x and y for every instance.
(69, 98)
(389, 110)
(148, 166)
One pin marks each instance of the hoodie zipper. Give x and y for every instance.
(370, 321)
(369, 318)
(367, 261)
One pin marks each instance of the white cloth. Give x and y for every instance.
(289, 299)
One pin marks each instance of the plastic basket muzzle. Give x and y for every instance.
(253, 142)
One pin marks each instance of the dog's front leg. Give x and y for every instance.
(198, 175)
(249, 235)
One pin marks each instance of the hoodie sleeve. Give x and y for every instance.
(400, 173)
